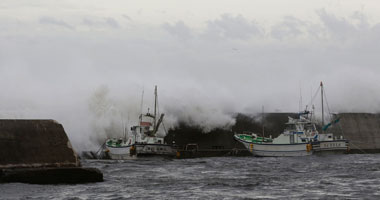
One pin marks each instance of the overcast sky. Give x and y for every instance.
(85, 63)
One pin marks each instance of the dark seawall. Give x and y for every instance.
(362, 129)
(220, 142)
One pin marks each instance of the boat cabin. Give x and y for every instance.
(299, 130)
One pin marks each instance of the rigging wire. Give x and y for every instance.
(327, 103)
(158, 113)
(141, 106)
(163, 125)
(314, 96)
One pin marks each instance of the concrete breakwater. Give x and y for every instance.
(39, 151)
(192, 141)
(362, 129)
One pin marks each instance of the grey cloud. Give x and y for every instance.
(88, 22)
(112, 22)
(289, 27)
(53, 21)
(179, 30)
(127, 17)
(337, 27)
(101, 23)
(234, 27)
(332, 28)
(376, 28)
(361, 21)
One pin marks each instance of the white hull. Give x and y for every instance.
(119, 153)
(277, 150)
(124, 153)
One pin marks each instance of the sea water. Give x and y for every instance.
(312, 177)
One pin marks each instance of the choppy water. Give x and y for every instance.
(312, 177)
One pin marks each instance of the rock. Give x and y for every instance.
(62, 175)
(35, 143)
(39, 151)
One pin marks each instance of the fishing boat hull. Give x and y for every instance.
(277, 150)
(140, 150)
(331, 147)
(280, 150)
(119, 153)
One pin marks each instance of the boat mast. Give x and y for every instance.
(141, 109)
(155, 105)
(262, 121)
(323, 115)
(124, 131)
(300, 103)
(141, 106)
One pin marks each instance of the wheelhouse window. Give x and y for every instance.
(291, 127)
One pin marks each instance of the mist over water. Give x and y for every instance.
(88, 71)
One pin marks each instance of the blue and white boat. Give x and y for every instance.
(300, 138)
(294, 141)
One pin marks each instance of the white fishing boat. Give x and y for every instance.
(145, 140)
(148, 142)
(119, 149)
(300, 138)
(294, 141)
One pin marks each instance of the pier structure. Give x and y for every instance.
(39, 151)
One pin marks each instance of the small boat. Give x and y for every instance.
(294, 141)
(144, 141)
(119, 149)
(253, 137)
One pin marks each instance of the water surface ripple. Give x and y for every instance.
(311, 177)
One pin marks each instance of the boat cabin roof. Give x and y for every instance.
(147, 115)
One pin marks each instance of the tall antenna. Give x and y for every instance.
(323, 114)
(300, 108)
(262, 121)
(155, 105)
(141, 106)
(311, 100)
